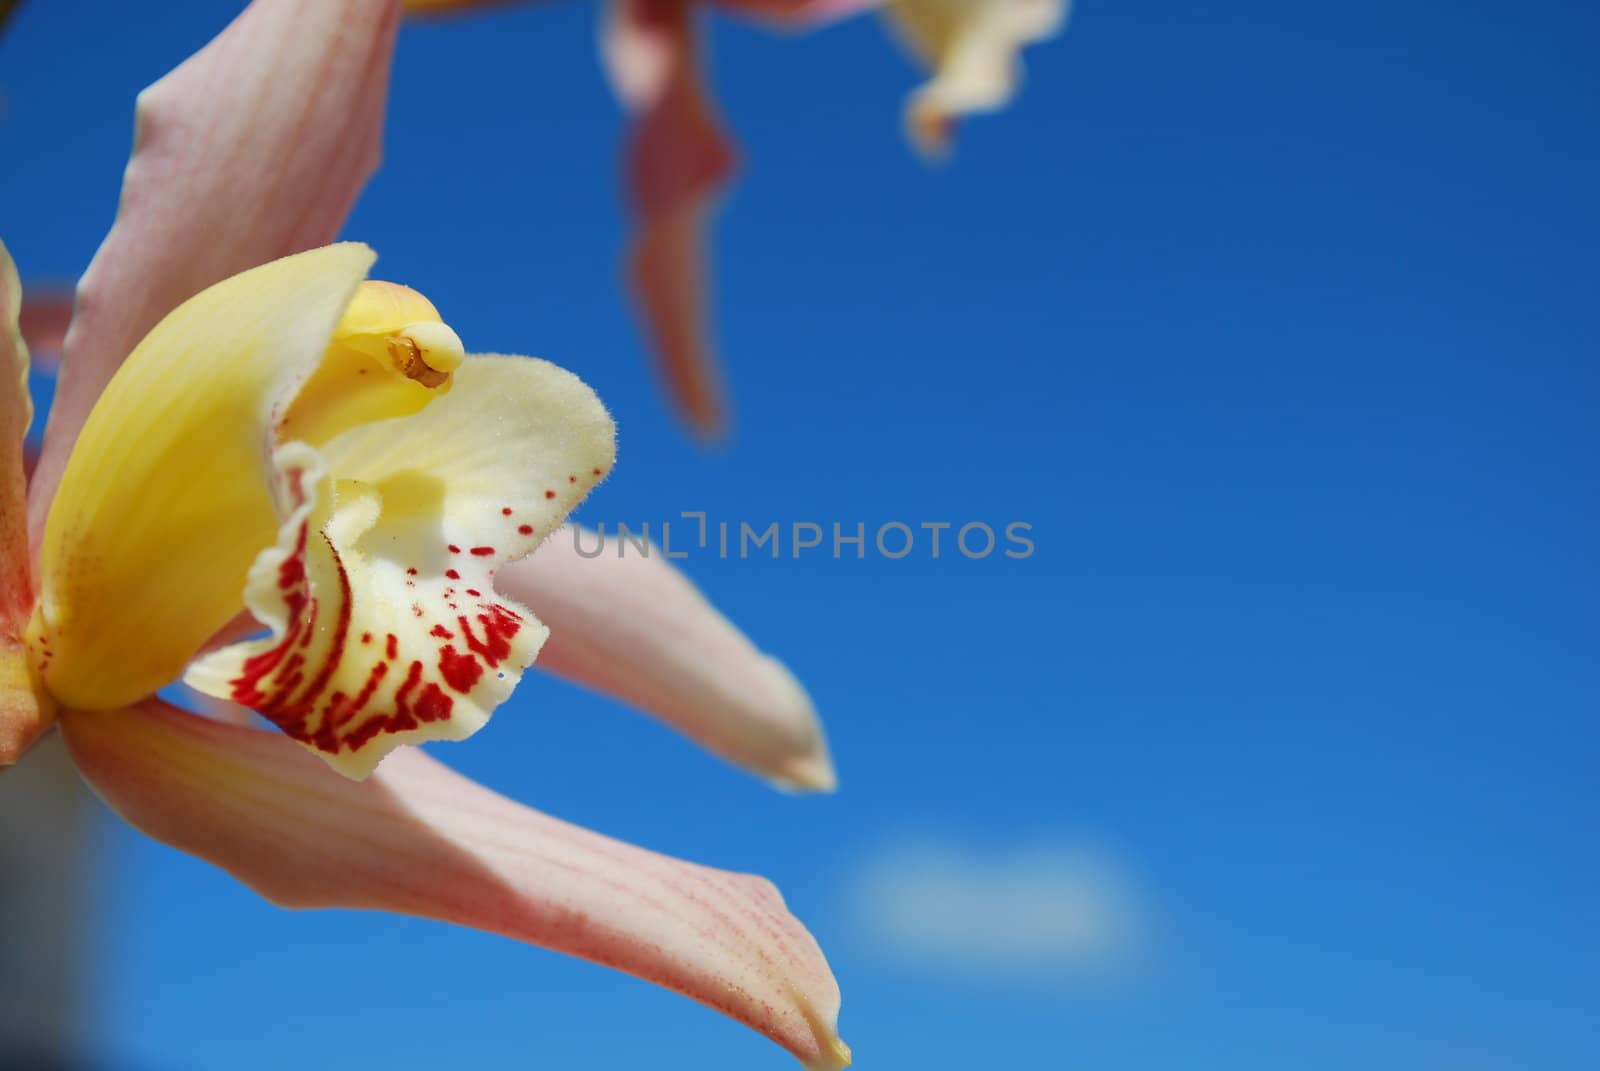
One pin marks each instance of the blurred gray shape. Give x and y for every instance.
(45, 818)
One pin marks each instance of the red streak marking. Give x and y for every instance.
(275, 705)
(452, 574)
(402, 718)
(341, 630)
(433, 704)
(411, 572)
(366, 637)
(500, 626)
(338, 718)
(460, 671)
(454, 549)
(505, 511)
(475, 593)
(391, 646)
(399, 721)
(416, 610)
(525, 529)
(482, 552)
(597, 472)
(442, 632)
(246, 688)
(572, 479)
(549, 494)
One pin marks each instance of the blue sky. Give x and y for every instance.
(1277, 325)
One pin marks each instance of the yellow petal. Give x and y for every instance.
(379, 592)
(163, 504)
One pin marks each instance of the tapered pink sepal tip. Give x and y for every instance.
(418, 839)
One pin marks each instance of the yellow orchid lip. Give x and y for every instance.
(318, 449)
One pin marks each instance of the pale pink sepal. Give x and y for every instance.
(417, 839)
(254, 148)
(16, 412)
(635, 628)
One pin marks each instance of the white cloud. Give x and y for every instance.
(1049, 909)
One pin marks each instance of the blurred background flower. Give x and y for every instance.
(678, 158)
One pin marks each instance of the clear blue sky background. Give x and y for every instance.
(1278, 323)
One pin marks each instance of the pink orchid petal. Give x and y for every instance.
(418, 839)
(46, 314)
(677, 160)
(22, 716)
(635, 628)
(252, 149)
(447, 7)
(16, 412)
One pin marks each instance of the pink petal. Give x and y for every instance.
(418, 839)
(253, 148)
(635, 628)
(677, 160)
(16, 412)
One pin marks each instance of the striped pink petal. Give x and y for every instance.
(253, 148)
(635, 628)
(417, 839)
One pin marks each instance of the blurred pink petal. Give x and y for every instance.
(46, 314)
(676, 161)
(253, 148)
(636, 629)
(418, 839)
(16, 412)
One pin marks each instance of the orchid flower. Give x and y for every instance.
(678, 158)
(236, 429)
